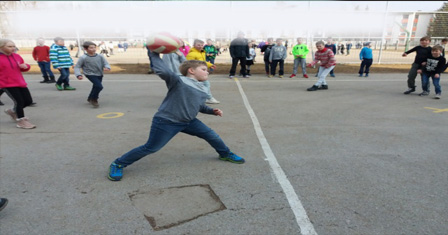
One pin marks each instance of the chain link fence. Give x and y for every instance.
(389, 52)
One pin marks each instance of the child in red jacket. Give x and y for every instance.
(13, 83)
(41, 54)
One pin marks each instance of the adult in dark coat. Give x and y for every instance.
(239, 50)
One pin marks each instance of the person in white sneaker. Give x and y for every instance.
(13, 84)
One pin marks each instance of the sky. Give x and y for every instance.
(196, 17)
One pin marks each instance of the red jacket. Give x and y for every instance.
(41, 53)
(10, 72)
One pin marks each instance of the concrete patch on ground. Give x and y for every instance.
(168, 207)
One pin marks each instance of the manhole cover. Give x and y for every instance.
(165, 208)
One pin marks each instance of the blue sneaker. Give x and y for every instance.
(332, 75)
(115, 172)
(366, 75)
(360, 75)
(232, 158)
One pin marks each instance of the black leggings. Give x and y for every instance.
(21, 97)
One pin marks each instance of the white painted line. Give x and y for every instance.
(306, 227)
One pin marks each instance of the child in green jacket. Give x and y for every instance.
(299, 52)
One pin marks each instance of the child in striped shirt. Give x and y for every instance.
(327, 64)
(61, 60)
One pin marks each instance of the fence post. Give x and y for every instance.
(384, 33)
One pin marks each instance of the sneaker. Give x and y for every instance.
(246, 76)
(69, 88)
(115, 172)
(332, 75)
(360, 75)
(94, 103)
(366, 75)
(212, 101)
(232, 158)
(292, 75)
(437, 97)
(323, 87)
(280, 76)
(424, 93)
(1, 103)
(59, 87)
(409, 91)
(267, 74)
(25, 124)
(12, 114)
(271, 76)
(313, 88)
(231, 77)
(305, 76)
(3, 203)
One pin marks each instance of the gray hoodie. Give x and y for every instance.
(186, 96)
(278, 53)
(91, 65)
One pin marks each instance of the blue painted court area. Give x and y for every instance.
(359, 158)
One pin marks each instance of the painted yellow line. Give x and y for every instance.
(110, 115)
(436, 110)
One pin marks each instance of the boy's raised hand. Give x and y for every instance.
(217, 112)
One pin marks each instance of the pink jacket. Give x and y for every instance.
(185, 50)
(10, 72)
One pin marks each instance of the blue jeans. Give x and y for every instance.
(97, 86)
(163, 130)
(65, 73)
(211, 60)
(435, 82)
(45, 69)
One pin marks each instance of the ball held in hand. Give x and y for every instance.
(164, 43)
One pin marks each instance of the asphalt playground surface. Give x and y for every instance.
(361, 158)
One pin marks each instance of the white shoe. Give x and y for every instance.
(437, 97)
(212, 101)
(25, 124)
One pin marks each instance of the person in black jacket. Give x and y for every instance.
(266, 49)
(239, 50)
(423, 52)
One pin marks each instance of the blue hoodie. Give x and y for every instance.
(366, 53)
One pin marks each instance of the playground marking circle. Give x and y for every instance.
(110, 115)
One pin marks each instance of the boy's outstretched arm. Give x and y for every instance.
(207, 110)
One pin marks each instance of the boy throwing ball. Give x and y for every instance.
(177, 113)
